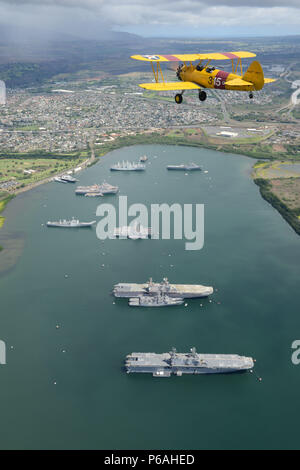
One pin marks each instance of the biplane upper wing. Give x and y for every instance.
(192, 57)
(169, 86)
(269, 80)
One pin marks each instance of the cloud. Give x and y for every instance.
(98, 4)
(89, 16)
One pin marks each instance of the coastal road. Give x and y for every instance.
(226, 115)
(294, 98)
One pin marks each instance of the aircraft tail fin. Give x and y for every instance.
(255, 75)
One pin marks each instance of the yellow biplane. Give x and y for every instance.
(202, 75)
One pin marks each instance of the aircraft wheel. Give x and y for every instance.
(251, 96)
(178, 98)
(202, 95)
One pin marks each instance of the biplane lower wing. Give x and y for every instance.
(170, 86)
(269, 80)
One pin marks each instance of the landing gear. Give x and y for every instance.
(202, 95)
(251, 96)
(178, 98)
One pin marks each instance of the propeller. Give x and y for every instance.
(178, 71)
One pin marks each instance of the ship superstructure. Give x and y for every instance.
(164, 287)
(173, 363)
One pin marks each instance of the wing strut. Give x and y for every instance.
(239, 61)
(158, 70)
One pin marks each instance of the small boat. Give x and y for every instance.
(136, 232)
(68, 179)
(59, 180)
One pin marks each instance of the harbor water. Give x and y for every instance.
(64, 387)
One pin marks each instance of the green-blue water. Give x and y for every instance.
(250, 255)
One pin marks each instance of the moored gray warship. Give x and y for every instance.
(97, 189)
(164, 287)
(73, 223)
(128, 166)
(173, 363)
(185, 167)
(160, 300)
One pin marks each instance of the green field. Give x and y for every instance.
(13, 168)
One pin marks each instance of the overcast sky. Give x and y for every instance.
(182, 18)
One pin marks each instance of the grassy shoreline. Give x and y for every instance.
(255, 150)
(3, 204)
(291, 216)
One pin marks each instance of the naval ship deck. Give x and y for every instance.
(181, 290)
(167, 363)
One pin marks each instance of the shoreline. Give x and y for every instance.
(265, 189)
(157, 138)
(5, 200)
(3, 204)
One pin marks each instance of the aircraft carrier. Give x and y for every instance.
(173, 363)
(164, 287)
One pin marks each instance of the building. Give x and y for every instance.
(2, 93)
(227, 134)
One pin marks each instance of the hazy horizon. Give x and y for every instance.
(92, 19)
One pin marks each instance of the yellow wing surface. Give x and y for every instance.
(192, 57)
(238, 82)
(169, 86)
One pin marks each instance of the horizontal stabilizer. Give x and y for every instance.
(237, 82)
(169, 86)
(270, 80)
